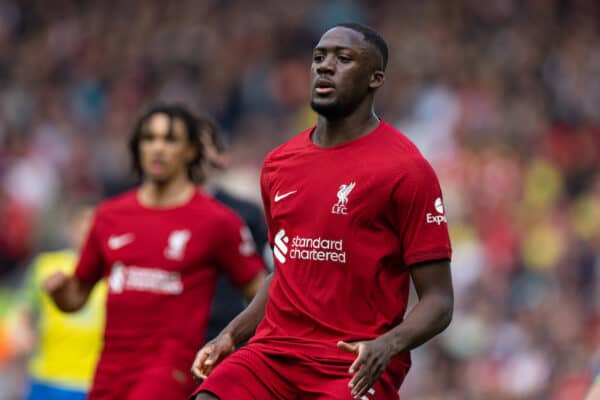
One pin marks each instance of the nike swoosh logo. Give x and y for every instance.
(115, 242)
(279, 197)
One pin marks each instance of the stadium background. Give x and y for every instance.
(503, 96)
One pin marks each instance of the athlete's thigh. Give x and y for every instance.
(246, 375)
(157, 389)
(337, 389)
(329, 381)
(163, 381)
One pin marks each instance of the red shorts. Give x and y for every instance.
(250, 375)
(157, 381)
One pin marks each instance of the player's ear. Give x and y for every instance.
(377, 79)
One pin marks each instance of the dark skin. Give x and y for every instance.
(346, 72)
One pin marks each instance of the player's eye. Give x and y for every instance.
(344, 59)
(146, 137)
(318, 57)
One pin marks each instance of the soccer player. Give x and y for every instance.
(161, 247)
(66, 346)
(354, 214)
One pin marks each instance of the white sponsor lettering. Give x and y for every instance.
(435, 219)
(430, 218)
(308, 249)
(144, 279)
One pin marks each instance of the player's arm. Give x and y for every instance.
(433, 312)
(242, 327)
(71, 292)
(431, 315)
(67, 291)
(239, 330)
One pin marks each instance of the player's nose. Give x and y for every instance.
(327, 65)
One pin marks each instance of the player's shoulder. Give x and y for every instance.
(397, 147)
(394, 140)
(212, 209)
(293, 146)
(402, 157)
(122, 202)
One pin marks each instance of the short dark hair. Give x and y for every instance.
(371, 36)
(191, 122)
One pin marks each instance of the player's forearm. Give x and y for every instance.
(242, 327)
(430, 316)
(71, 296)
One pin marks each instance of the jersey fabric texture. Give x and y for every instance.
(346, 224)
(161, 265)
(68, 345)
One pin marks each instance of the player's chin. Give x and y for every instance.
(159, 178)
(324, 105)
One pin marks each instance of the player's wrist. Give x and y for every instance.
(394, 342)
(229, 335)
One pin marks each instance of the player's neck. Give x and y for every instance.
(166, 194)
(334, 131)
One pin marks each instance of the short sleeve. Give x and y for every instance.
(420, 215)
(266, 198)
(237, 254)
(90, 267)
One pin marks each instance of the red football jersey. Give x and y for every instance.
(162, 265)
(346, 223)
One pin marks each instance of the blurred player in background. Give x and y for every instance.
(65, 346)
(161, 246)
(228, 301)
(354, 212)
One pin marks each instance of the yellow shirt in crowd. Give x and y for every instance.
(68, 345)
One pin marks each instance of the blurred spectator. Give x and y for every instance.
(64, 348)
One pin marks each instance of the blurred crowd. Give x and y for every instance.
(502, 96)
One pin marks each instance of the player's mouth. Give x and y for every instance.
(157, 166)
(324, 87)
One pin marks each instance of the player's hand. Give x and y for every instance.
(55, 282)
(373, 357)
(211, 354)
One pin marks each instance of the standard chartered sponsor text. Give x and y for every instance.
(144, 279)
(317, 249)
